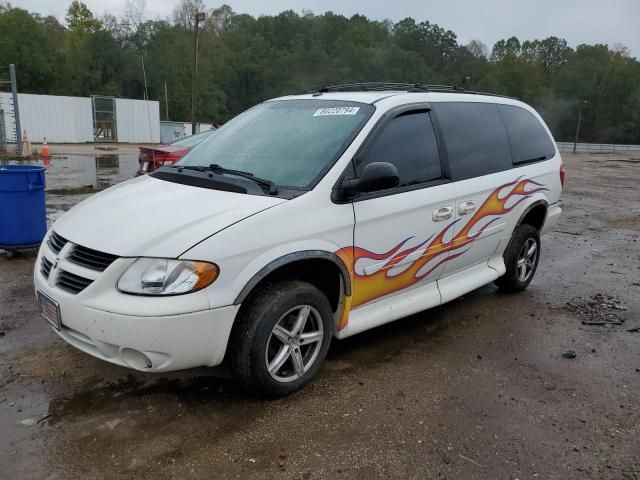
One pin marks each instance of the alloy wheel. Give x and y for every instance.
(294, 343)
(527, 259)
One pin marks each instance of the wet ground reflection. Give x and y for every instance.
(71, 179)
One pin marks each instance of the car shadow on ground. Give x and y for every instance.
(216, 389)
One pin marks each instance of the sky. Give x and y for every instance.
(578, 21)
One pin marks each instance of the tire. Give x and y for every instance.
(256, 344)
(514, 280)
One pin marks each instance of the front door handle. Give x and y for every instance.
(442, 213)
(466, 207)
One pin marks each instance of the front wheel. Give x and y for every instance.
(521, 259)
(281, 338)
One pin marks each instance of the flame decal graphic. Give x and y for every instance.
(380, 283)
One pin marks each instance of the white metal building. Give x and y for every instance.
(62, 119)
(138, 121)
(172, 131)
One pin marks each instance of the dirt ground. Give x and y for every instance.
(478, 388)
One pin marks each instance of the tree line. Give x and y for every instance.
(244, 60)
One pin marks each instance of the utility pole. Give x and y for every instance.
(166, 101)
(194, 85)
(16, 110)
(575, 141)
(144, 76)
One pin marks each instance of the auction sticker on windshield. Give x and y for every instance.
(321, 112)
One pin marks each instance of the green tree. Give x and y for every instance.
(30, 42)
(80, 19)
(244, 60)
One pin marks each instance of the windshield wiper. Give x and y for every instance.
(263, 182)
(197, 168)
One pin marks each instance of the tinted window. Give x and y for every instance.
(408, 142)
(529, 140)
(475, 137)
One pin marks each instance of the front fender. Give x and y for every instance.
(241, 272)
(295, 257)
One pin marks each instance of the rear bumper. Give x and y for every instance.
(553, 214)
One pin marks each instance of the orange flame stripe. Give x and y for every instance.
(380, 283)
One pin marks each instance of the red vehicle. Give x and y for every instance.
(151, 158)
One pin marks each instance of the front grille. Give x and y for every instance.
(90, 258)
(72, 283)
(56, 242)
(83, 256)
(45, 267)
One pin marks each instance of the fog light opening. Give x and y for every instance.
(135, 359)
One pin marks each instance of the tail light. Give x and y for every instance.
(562, 172)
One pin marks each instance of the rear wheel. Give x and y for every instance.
(521, 259)
(281, 338)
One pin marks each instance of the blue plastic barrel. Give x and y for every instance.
(23, 214)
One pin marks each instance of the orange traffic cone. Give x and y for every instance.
(26, 145)
(45, 148)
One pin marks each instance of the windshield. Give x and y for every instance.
(289, 142)
(192, 140)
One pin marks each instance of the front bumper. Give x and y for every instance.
(152, 334)
(154, 344)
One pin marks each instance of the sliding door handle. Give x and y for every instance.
(466, 207)
(442, 213)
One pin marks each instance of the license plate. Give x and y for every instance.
(50, 310)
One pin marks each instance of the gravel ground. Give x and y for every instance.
(477, 388)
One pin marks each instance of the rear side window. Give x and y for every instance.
(529, 140)
(475, 137)
(409, 143)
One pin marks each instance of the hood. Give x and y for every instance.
(155, 218)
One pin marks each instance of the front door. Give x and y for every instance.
(400, 235)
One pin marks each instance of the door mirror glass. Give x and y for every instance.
(375, 176)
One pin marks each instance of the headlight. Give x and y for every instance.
(160, 276)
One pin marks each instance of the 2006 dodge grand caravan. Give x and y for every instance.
(305, 218)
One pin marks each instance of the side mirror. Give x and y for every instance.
(375, 176)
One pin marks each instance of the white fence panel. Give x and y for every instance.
(171, 131)
(201, 127)
(60, 119)
(138, 121)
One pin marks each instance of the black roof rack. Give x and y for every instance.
(372, 87)
(406, 87)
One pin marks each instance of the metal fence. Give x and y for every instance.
(597, 148)
(3, 137)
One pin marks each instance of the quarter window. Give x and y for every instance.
(475, 137)
(409, 143)
(529, 140)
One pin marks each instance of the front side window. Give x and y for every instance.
(529, 140)
(476, 139)
(289, 142)
(409, 143)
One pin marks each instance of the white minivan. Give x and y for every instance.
(305, 218)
